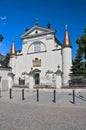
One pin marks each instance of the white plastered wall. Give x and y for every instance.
(49, 59)
(67, 63)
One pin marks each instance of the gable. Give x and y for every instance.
(37, 31)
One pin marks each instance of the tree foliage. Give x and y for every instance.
(79, 63)
(78, 69)
(6, 60)
(82, 45)
(1, 37)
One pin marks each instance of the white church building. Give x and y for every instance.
(43, 60)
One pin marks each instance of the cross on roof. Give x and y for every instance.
(37, 20)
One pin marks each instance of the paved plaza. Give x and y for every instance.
(47, 97)
(28, 114)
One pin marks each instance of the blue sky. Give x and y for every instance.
(16, 15)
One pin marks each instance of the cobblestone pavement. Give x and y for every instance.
(29, 114)
(34, 116)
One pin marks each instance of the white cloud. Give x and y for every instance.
(3, 17)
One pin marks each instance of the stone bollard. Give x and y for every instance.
(22, 94)
(37, 95)
(54, 96)
(73, 96)
(10, 93)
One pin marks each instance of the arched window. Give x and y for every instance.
(37, 47)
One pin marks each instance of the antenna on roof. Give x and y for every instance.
(37, 21)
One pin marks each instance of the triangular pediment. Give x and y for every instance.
(36, 31)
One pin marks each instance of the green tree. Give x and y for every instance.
(82, 45)
(1, 37)
(76, 64)
(78, 68)
(6, 60)
(79, 63)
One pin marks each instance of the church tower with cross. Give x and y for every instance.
(66, 57)
(43, 60)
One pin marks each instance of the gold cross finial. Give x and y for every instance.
(37, 21)
(66, 27)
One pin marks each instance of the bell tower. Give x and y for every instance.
(12, 62)
(66, 57)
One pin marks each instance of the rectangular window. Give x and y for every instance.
(37, 47)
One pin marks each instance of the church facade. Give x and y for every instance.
(43, 60)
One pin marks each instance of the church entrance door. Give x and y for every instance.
(37, 78)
